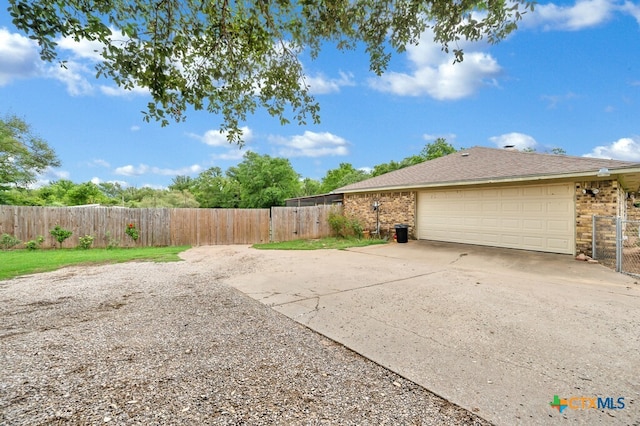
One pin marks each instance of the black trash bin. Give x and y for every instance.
(402, 233)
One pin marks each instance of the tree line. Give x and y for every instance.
(258, 181)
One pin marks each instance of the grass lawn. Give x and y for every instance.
(14, 263)
(324, 243)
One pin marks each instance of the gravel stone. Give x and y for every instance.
(169, 343)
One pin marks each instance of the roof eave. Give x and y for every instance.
(516, 179)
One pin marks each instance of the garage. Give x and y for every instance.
(531, 217)
(498, 197)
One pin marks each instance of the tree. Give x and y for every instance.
(383, 168)
(264, 181)
(344, 175)
(213, 189)
(231, 58)
(113, 191)
(181, 183)
(168, 199)
(309, 187)
(22, 154)
(85, 193)
(438, 148)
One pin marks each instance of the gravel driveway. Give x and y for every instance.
(145, 343)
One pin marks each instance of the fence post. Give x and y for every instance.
(619, 244)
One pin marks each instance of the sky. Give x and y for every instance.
(568, 78)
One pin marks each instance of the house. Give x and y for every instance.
(499, 197)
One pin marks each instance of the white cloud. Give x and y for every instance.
(72, 76)
(135, 128)
(632, 9)
(120, 91)
(232, 154)
(143, 169)
(218, 138)
(321, 85)
(99, 163)
(153, 186)
(48, 176)
(520, 141)
(311, 144)
(84, 49)
(96, 180)
(554, 100)
(623, 149)
(19, 57)
(583, 14)
(434, 74)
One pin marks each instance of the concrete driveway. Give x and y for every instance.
(499, 332)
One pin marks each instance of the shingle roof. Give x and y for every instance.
(485, 164)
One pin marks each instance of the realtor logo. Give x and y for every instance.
(559, 404)
(585, 403)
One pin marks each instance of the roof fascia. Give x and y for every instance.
(536, 178)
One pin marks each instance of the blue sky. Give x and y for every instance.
(569, 77)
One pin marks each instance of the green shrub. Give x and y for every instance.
(35, 244)
(8, 241)
(344, 227)
(132, 231)
(85, 242)
(60, 234)
(111, 242)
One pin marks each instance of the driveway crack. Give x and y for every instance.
(358, 288)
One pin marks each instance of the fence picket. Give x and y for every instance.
(164, 227)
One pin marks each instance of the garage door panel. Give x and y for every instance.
(510, 240)
(533, 207)
(537, 217)
(559, 226)
(535, 225)
(490, 207)
(534, 191)
(561, 245)
(490, 222)
(507, 192)
(557, 207)
(536, 243)
(472, 221)
(510, 223)
(510, 206)
(562, 191)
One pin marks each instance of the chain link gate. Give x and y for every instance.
(630, 233)
(616, 243)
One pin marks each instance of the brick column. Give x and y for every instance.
(604, 203)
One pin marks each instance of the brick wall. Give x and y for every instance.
(395, 208)
(633, 212)
(605, 203)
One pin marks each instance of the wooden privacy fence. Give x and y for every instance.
(166, 227)
(293, 223)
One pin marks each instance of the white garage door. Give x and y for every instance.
(537, 217)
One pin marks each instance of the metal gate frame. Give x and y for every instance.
(627, 235)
